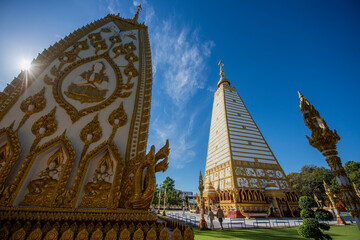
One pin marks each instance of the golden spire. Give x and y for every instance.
(356, 190)
(222, 75)
(221, 64)
(136, 17)
(327, 189)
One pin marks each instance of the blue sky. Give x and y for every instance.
(271, 49)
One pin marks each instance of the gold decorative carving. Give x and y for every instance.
(31, 105)
(111, 235)
(151, 235)
(17, 87)
(117, 118)
(44, 191)
(43, 127)
(52, 235)
(138, 189)
(164, 234)
(176, 234)
(91, 92)
(91, 133)
(82, 235)
(124, 235)
(138, 234)
(188, 234)
(99, 193)
(98, 190)
(97, 235)
(89, 89)
(9, 153)
(19, 235)
(35, 235)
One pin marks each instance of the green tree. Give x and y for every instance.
(310, 181)
(353, 171)
(169, 184)
(173, 197)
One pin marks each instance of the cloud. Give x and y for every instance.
(182, 150)
(181, 56)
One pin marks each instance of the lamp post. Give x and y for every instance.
(325, 140)
(158, 211)
(339, 219)
(202, 224)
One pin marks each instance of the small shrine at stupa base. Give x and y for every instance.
(73, 138)
(242, 175)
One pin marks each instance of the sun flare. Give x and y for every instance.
(25, 64)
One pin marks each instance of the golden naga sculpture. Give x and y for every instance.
(139, 178)
(322, 137)
(325, 141)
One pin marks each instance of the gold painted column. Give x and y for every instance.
(325, 140)
(164, 213)
(158, 211)
(202, 224)
(339, 219)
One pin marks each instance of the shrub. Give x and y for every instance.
(306, 202)
(311, 227)
(306, 213)
(324, 226)
(324, 215)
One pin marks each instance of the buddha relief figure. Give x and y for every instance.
(42, 190)
(88, 87)
(98, 190)
(4, 154)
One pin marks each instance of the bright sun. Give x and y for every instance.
(25, 64)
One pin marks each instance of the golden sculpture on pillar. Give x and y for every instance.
(202, 224)
(158, 211)
(328, 192)
(325, 140)
(164, 213)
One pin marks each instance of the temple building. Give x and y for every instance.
(73, 138)
(242, 175)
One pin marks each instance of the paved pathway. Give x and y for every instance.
(192, 218)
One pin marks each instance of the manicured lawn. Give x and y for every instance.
(337, 232)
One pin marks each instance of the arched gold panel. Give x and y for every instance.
(9, 152)
(98, 193)
(48, 188)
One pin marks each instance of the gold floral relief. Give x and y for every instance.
(91, 133)
(99, 46)
(43, 127)
(31, 105)
(103, 191)
(90, 87)
(48, 188)
(9, 152)
(117, 118)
